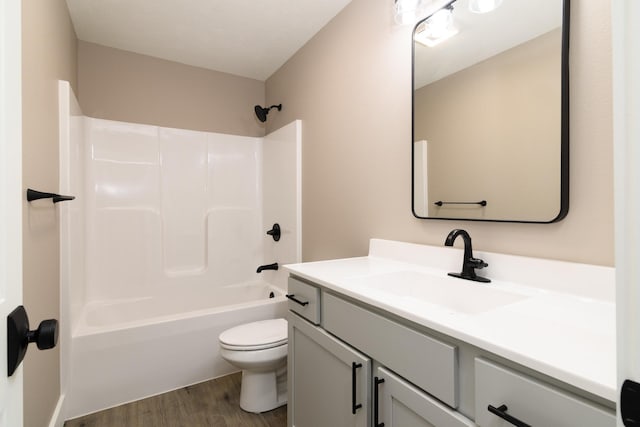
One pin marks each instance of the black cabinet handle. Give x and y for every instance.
(292, 297)
(501, 411)
(354, 406)
(36, 195)
(376, 381)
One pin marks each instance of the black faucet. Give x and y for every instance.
(469, 263)
(273, 266)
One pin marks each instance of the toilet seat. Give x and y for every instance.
(259, 335)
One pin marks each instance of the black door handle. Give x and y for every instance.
(501, 411)
(19, 336)
(630, 403)
(376, 396)
(354, 406)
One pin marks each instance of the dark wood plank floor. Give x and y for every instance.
(213, 403)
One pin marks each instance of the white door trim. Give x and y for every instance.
(11, 388)
(626, 129)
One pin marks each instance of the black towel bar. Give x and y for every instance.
(481, 203)
(37, 195)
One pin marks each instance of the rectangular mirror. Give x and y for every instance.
(491, 112)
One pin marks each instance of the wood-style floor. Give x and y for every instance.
(213, 403)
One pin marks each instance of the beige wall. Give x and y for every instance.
(351, 86)
(48, 54)
(119, 85)
(493, 132)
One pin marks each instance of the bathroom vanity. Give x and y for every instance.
(391, 340)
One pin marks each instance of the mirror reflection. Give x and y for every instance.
(490, 122)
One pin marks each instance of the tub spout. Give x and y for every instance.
(273, 266)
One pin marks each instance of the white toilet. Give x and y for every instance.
(260, 350)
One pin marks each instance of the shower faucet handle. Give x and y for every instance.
(275, 232)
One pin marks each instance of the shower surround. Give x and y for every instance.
(159, 251)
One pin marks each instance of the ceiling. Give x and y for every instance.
(249, 38)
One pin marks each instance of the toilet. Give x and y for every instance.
(260, 350)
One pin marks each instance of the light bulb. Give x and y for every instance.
(406, 11)
(439, 23)
(438, 28)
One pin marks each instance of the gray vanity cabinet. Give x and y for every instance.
(362, 367)
(329, 382)
(331, 379)
(400, 404)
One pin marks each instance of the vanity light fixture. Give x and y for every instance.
(483, 6)
(438, 28)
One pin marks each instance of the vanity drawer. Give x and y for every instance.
(531, 401)
(304, 299)
(429, 363)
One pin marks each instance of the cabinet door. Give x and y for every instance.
(329, 382)
(400, 404)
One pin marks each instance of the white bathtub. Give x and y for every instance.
(128, 350)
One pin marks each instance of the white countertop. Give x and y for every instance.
(555, 317)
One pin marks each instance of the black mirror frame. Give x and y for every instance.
(564, 126)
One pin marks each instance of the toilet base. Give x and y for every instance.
(263, 391)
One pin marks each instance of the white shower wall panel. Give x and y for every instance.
(125, 255)
(183, 185)
(235, 172)
(72, 230)
(123, 209)
(282, 192)
(234, 211)
(71, 127)
(124, 165)
(170, 208)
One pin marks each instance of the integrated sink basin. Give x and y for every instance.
(450, 293)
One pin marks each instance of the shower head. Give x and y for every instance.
(261, 112)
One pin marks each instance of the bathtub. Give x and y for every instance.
(131, 349)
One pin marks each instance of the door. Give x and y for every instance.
(626, 132)
(10, 200)
(329, 381)
(396, 403)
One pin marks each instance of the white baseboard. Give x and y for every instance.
(57, 418)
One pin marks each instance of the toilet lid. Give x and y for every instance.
(256, 335)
